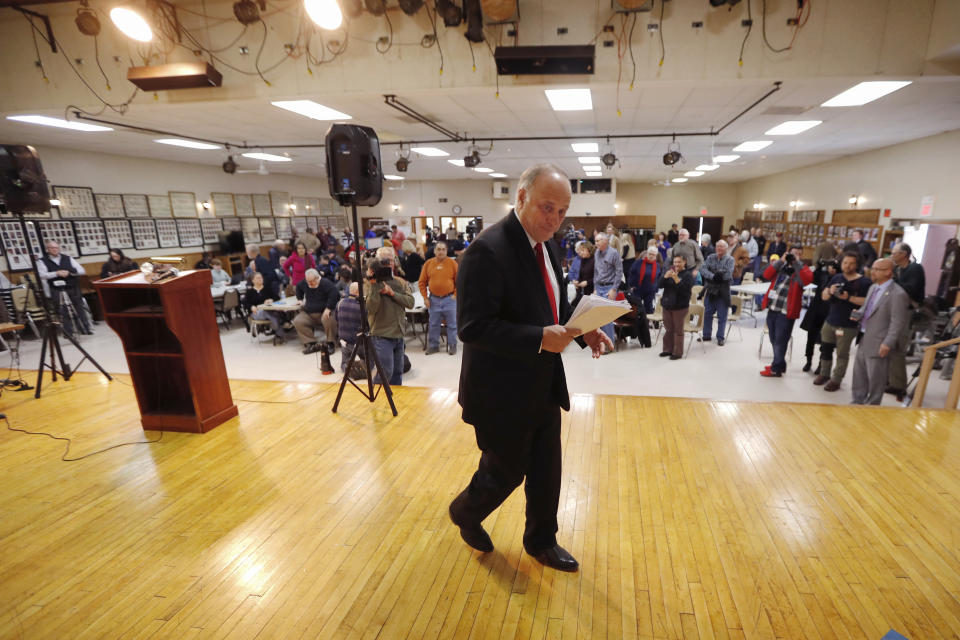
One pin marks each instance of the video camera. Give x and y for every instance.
(382, 270)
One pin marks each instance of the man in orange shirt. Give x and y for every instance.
(438, 284)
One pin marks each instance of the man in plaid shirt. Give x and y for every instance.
(783, 302)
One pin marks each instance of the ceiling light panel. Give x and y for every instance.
(753, 145)
(393, 177)
(585, 147)
(498, 175)
(432, 152)
(589, 159)
(483, 170)
(863, 93)
(726, 158)
(58, 122)
(569, 99)
(131, 24)
(592, 167)
(458, 162)
(707, 167)
(693, 174)
(189, 144)
(594, 174)
(311, 109)
(679, 180)
(269, 157)
(792, 127)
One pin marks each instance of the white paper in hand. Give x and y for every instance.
(594, 311)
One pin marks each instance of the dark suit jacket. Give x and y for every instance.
(502, 307)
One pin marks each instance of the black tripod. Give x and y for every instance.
(364, 339)
(51, 327)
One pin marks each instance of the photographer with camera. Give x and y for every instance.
(845, 292)
(818, 308)
(783, 302)
(387, 299)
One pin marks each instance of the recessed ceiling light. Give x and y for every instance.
(311, 109)
(458, 162)
(269, 157)
(433, 152)
(863, 93)
(190, 144)
(131, 24)
(693, 174)
(585, 147)
(727, 158)
(498, 175)
(393, 177)
(58, 122)
(753, 145)
(483, 170)
(707, 167)
(589, 159)
(594, 174)
(325, 14)
(679, 180)
(569, 99)
(592, 167)
(792, 127)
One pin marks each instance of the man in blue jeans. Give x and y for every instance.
(783, 302)
(717, 273)
(438, 286)
(387, 300)
(607, 274)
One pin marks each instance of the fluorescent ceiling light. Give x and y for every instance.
(393, 177)
(325, 14)
(498, 175)
(594, 174)
(707, 167)
(728, 158)
(753, 145)
(592, 167)
(585, 147)
(863, 93)
(311, 109)
(589, 159)
(131, 24)
(190, 144)
(569, 99)
(693, 174)
(792, 127)
(269, 157)
(458, 162)
(433, 152)
(679, 180)
(58, 122)
(483, 170)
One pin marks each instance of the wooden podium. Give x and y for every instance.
(170, 337)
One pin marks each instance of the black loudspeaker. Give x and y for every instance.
(354, 172)
(22, 181)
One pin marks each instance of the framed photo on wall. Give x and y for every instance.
(211, 228)
(243, 204)
(91, 237)
(110, 205)
(160, 207)
(183, 203)
(283, 229)
(268, 231)
(232, 224)
(75, 202)
(167, 233)
(15, 246)
(280, 203)
(261, 204)
(299, 224)
(61, 232)
(190, 233)
(119, 235)
(251, 229)
(299, 205)
(144, 234)
(223, 204)
(135, 205)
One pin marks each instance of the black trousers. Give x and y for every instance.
(531, 453)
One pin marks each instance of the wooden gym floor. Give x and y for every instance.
(691, 519)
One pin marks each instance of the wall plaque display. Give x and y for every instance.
(251, 229)
(136, 205)
(312, 223)
(160, 207)
(232, 224)
(110, 205)
(268, 231)
(15, 245)
(322, 221)
(299, 224)
(144, 234)
(61, 232)
(300, 205)
(190, 233)
(183, 203)
(261, 204)
(807, 216)
(222, 204)
(280, 203)
(313, 205)
(243, 204)
(75, 202)
(91, 237)
(167, 233)
(283, 229)
(210, 230)
(118, 234)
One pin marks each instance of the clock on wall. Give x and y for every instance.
(457, 209)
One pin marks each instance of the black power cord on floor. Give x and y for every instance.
(70, 441)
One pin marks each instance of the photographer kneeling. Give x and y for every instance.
(387, 299)
(846, 291)
(783, 302)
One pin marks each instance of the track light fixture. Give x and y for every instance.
(229, 166)
(246, 12)
(472, 159)
(325, 14)
(452, 14)
(132, 24)
(376, 7)
(87, 21)
(403, 161)
(720, 3)
(410, 7)
(673, 155)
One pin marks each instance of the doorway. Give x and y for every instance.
(698, 225)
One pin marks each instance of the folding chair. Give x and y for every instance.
(694, 326)
(736, 305)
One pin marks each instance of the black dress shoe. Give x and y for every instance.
(664, 354)
(556, 557)
(720, 342)
(475, 535)
(675, 357)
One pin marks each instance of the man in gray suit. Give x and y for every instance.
(882, 318)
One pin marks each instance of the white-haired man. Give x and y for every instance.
(607, 273)
(319, 297)
(717, 274)
(688, 249)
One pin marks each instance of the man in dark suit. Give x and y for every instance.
(512, 383)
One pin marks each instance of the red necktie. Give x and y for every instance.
(538, 248)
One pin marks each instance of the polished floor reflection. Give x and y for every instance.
(691, 519)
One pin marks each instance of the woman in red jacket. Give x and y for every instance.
(297, 264)
(783, 301)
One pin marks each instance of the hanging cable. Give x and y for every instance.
(36, 47)
(436, 38)
(747, 34)
(386, 14)
(96, 56)
(633, 61)
(796, 28)
(663, 49)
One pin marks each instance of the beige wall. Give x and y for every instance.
(671, 203)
